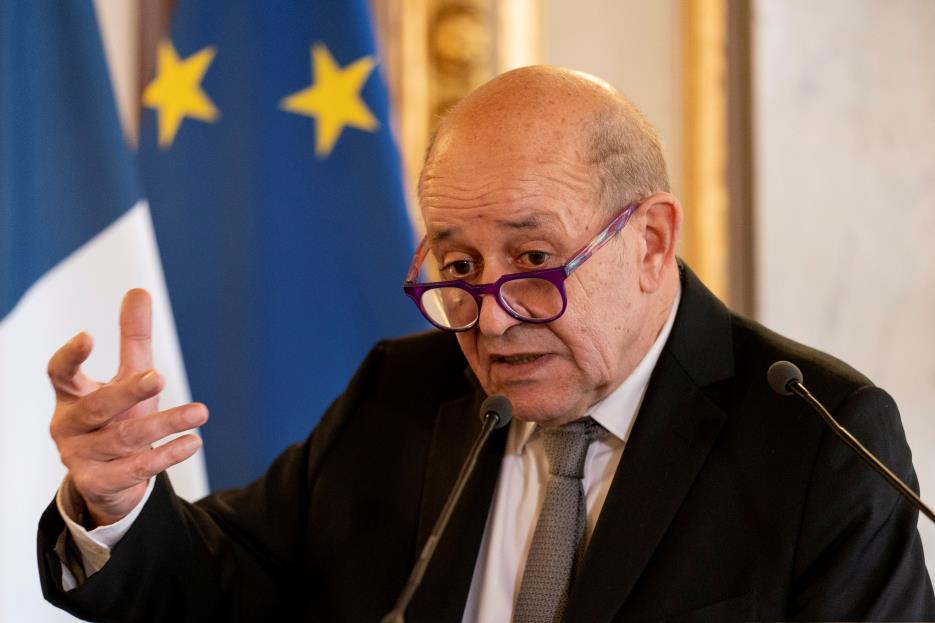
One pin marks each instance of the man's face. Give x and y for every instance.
(496, 209)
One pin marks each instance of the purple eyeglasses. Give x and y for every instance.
(536, 296)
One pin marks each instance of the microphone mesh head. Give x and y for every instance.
(780, 374)
(501, 406)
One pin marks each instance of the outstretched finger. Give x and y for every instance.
(128, 436)
(136, 320)
(64, 367)
(121, 474)
(98, 408)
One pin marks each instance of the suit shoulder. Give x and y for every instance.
(418, 348)
(399, 385)
(757, 347)
(429, 362)
(426, 355)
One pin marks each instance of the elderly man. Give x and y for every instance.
(649, 473)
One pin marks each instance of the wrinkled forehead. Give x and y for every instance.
(470, 204)
(521, 222)
(519, 188)
(498, 167)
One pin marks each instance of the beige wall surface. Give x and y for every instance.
(634, 45)
(844, 128)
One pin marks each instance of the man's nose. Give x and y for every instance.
(493, 320)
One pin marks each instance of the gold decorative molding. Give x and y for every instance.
(400, 27)
(461, 54)
(705, 192)
(437, 51)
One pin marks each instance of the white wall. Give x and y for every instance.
(844, 129)
(634, 45)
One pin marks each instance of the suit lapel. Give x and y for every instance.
(444, 590)
(668, 446)
(676, 427)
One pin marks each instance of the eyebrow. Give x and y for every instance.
(532, 221)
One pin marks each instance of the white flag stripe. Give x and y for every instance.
(83, 292)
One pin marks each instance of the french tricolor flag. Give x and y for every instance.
(75, 234)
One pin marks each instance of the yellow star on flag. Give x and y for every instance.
(176, 91)
(333, 99)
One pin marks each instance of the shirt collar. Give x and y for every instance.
(617, 411)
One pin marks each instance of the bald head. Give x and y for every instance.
(542, 111)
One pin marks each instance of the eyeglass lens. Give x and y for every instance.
(529, 299)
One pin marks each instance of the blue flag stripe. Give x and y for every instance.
(65, 171)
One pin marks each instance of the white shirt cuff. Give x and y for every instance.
(94, 545)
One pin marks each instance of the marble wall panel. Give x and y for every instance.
(844, 161)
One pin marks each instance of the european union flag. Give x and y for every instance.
(279, 211)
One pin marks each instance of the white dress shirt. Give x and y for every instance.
(94, 545)
(524, 472)
(513, 514)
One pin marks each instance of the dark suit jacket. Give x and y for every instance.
(730, 502)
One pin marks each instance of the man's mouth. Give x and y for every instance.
(517, 359)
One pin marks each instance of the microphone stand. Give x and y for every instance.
(397, 614)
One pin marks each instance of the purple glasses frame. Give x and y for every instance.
(555, 276)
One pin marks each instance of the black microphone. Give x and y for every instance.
(495, 412)
(785, 378)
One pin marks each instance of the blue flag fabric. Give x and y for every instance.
(65, 170)
(65, 175)
(277, 198)
(75, 234)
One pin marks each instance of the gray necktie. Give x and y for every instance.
(554, 550)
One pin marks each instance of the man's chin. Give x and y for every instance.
(537, 398)
(540, 409)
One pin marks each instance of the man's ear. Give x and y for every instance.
(661, 221)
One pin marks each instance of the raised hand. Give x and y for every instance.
(105, 431)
